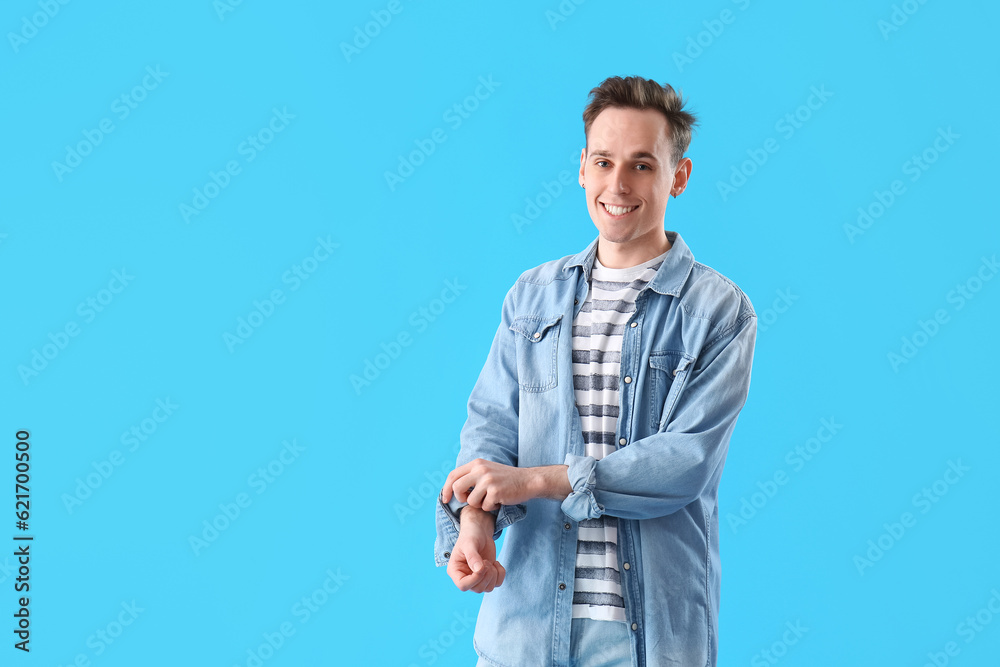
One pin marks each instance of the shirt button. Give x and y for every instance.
(626, 566)
(538, 335)
(447, 554)
(567, 526)
(675, 370)
(634, 325)
(635, 626)
(562, 587)
(628, 380)
(622, 441)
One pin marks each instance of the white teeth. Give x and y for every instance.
(618, 210)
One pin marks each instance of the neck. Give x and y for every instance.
(632, 253)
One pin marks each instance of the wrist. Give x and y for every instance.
(552, 482)
(471, 516)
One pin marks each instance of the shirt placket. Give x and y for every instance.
(627, 560)
(568, 529)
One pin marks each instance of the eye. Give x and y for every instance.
(601, 163)
(644, 167)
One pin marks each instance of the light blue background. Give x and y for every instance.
(357, 501)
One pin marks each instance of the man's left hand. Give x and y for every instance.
(488, 485)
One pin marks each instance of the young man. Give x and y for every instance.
(599, 426)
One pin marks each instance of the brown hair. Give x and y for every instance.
(635, 92)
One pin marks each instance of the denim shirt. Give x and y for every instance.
(686, 356)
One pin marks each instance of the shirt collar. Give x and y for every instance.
(669, 278)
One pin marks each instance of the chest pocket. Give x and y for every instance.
(537, 341)
(668, 372)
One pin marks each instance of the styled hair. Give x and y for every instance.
(635, 92)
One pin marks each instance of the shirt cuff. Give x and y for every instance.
(506, 516)
(582, 473)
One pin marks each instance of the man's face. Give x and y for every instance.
(628, 176)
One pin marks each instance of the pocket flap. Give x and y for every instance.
(671, 362)
(534, 328)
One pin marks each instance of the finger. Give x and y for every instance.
(465, 579)
(458, 571)
(501, 573)
(449, 482)
(475, 580)
(481, 584)
(489, 502)
(462, 485)
(471, 582)
(477, 496)
(446, 490)
(491, 582)
(473, 558)
(497, 579)
(456, 563)
(489, 579)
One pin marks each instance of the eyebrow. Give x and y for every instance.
(638, 155)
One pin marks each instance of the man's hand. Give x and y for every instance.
(473, 565)
(488, 485)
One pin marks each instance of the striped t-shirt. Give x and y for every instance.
(597, 352)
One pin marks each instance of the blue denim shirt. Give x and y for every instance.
(685, 373)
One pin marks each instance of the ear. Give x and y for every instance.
(583, 162)
(681, 175)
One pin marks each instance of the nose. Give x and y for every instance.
(620, 182)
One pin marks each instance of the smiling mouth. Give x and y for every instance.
(618, 211)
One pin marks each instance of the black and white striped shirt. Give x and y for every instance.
(597, 348)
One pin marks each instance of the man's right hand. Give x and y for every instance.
(473, 565)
